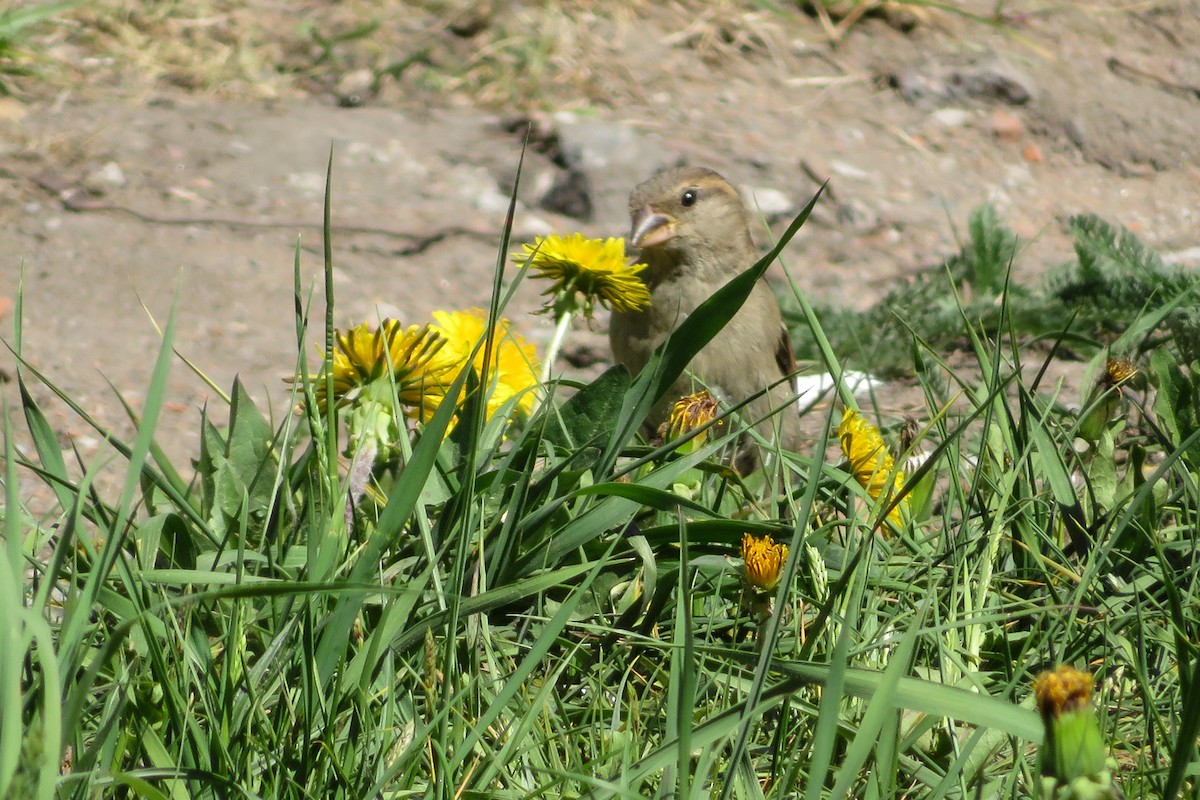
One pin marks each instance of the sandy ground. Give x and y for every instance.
(122, 191)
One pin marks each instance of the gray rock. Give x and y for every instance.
(847, 170)
(951, 117)
(355, 88)
(995, 79)
(309, 183)
(856, 216)
(593, 144)
(570, 195)
(772, 204)
(920, 85)
(612, 157)
(1076, 130)
(103, 179)
(991, 79)
(466, 18)
(1128, 128)
(475, 185)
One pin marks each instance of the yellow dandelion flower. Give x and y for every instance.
(689, 413)
(870, 461)
(594, 268)
(365, 354)
(764, 560)
(514, 364)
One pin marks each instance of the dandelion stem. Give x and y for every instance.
(560, 333)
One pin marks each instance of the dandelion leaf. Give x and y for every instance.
(591, 413)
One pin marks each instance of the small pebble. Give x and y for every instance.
(951, 117)
(312, 183)
(847, 170)
(771, 203)
(1007, 126)
(109, 176)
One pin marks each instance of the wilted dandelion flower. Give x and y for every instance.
(1074, 762)
(597, 269)
(689, 413)
(514, 364)
(1106, 399)
(1062, 690)
(764, 560)
(1118, 371)
(365, 354)
(870, 461)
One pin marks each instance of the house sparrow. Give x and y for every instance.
(694, 235)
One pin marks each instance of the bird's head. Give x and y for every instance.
(690, 216)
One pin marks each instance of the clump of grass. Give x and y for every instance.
(526, 56)
(16, 27)
(838, 17)
(216, 46)
(206, 47)
(556, 608)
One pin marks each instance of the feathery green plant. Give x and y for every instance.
(1114, 282)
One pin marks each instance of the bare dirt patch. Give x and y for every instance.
(183, 151)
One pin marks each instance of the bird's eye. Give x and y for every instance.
(689, 198)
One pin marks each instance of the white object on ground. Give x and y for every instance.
(810, 388)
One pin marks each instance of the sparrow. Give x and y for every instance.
(693, 232)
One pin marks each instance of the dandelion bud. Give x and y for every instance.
(1074, 764)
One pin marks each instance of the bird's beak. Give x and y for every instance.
(650, 228)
